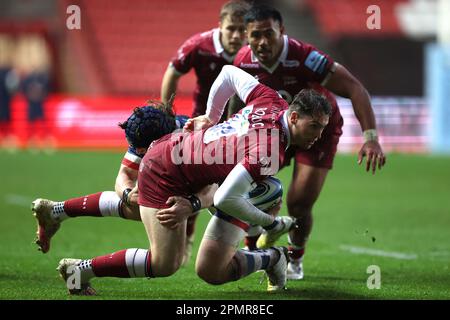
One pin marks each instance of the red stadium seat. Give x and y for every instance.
(133, 42)
(339, 18)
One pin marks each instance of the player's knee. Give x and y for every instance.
(210, 278)
(165, 268)
(167, 272)
(209, 275)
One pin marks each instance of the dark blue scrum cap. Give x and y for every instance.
(147, 124)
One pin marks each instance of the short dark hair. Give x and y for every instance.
(262, 12)
(149, 123)
(234, 9)
(309, 102)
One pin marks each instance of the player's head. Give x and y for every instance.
(231, 25)
(308, 115)
(264, 26)
(148, 123)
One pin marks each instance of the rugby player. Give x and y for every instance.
(236, 154)
(289, 65)
(145, 125)
(207, 53)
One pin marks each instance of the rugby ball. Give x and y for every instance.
(267, 194)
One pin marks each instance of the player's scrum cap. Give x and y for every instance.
(147, 124)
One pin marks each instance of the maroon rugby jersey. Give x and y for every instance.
(300, 66)
(299, 63)
(204, 53)
(200, 158)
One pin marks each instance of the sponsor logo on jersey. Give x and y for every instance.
(291, 63)
(249, 65)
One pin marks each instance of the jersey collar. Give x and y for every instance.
(219, 48)
(281, 59)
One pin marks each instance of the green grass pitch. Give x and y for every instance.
(398, 220)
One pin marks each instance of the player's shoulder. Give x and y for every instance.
(243, 58)
(200, 39)
(298, 47)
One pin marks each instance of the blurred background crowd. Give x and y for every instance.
(68, 88)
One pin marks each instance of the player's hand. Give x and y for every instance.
(172, 217)
(133, 197)
(198, 123)
(374, 156)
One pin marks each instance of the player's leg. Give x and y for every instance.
(219, 261)
(305, 188)
(161, 260)
(190, 237)
(166, 245)
(50, 214)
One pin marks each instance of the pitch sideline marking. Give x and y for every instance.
(380, 253)
(18, 200)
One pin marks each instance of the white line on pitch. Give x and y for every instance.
(18, 200)
(381, 253)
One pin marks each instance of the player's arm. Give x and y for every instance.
(344, 84)
(178, 66)
(182, 208)
(229, 198)
(125, 183)
(231, 80)
(170, 83)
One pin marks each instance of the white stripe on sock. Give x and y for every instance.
(136, 262)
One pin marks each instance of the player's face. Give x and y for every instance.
(266, 40)
(232, 34)
(306, 130)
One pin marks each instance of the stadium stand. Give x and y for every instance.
(133, 43)
(117, 59)
(348, 17)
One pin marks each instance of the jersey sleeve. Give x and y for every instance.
(184, 60)
(231, 80)
(315, 64)
(230, 198)
(131, 159)
(262, 91)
